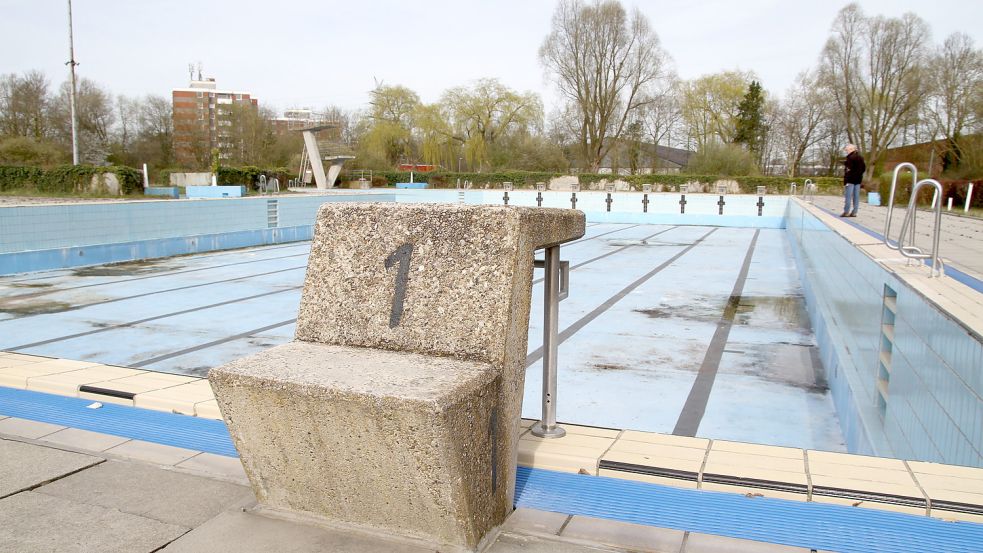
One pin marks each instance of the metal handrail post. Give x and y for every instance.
(547, 427)
(890, 204)
(911, 252)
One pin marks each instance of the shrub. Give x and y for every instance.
(67, 179)
(723, 159)
(20, 150)
(248, 175)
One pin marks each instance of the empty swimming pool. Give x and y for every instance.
(690, 330)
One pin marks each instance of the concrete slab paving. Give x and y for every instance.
(706, 543)
(247, 532)
(23, 428)
(508, 542)
(152, 492)
(32, 522)
(622, 534)
(531, 520)
(150, 452)
(93, 441)
(24, 466)
(220, 466)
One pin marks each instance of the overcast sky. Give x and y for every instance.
(294, 53)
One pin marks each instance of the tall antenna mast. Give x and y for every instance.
(71, 63)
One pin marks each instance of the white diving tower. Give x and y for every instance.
(311, 158)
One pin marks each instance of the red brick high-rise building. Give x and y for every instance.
(202, 116)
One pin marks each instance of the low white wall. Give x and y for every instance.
(191, 179)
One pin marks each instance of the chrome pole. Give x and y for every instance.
(547, 427)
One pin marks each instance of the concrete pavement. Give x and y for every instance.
(55, 497)
(960, 244)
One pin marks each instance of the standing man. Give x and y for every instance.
(853, 175)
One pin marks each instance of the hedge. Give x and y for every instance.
(67, 179)
(526, 179)
(249, 175)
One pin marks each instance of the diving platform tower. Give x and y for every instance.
(324, 168)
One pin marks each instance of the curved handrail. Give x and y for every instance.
(890, 203)
(911, 251)
(808, 191)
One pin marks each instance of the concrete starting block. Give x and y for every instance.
(396, 410)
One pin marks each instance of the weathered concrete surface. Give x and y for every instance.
(418, 445)
(33, 522)
(151, 492)
(397, 441)
(23, 466)
(470, 273)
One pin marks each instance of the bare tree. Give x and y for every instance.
(798, 121)
(127, 114)
(662, 116)
(956, 77)
(25, 105)
(602, 61)
(873, 68)
(94, 108)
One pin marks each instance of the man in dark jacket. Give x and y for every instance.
(853, 175)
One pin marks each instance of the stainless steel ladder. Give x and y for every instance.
(808, 191)
(908, 248)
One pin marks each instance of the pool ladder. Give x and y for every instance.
(808, 191)
(908, 249)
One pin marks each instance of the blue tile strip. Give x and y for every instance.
(811, 525)
(799, 524)
(128, 422)
(951, 272)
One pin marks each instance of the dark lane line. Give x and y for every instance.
(145, 294)
(148, 319)
(696, 403)
(201, 255)
(193, 349)
(612, 252)
(156, 275)
(583, 321)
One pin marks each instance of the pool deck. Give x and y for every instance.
(69, 490)
(960, 242)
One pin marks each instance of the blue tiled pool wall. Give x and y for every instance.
(37, 238)
(626, 207)
(934, 410)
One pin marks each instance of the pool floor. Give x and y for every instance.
(677, 329)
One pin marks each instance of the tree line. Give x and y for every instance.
(879, 82)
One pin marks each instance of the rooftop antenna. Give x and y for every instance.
(71, 63)
(191, 71)
(199, 71)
